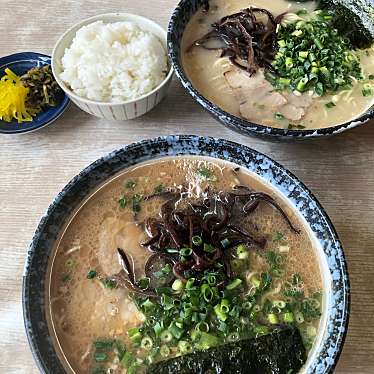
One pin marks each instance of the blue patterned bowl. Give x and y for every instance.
(336, 284)
(179, 19)
(20, 63)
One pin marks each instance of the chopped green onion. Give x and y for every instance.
(135, 335)
(184, 346)
(209, 248)
(148, 305)
(279, 304)
(256, 308)
(203, 340)
(220, 314)
(206, 174)
(69, 263)
(329, 105)
(172, 250)
(311, 331)
(212, 280)
(157, 328)
(302, 12)
(196, 240)
(302, 84)
(143, 283)
(225, 243)
(186, 252)
(255, 281)
(101, 357)
(371, 76)
(146, 343)
(176, 330)
(278, 115)
(278, 236)
(234, 283)
(177, 285)
(91, 274)
(130, 184)
(225, 305)
(261, 330)
(190, 283)
(272, 318)
(299, 317)
(159, 188)
(207, 292)
(166, 336)
(136, 199)
(242, 252)
(367, 93)
(288, 317)
(247, 305)
(122, 202)
(202, 327)
(104, 344)
(109, 283)
(127, 359)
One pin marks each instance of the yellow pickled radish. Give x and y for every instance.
(13, 96)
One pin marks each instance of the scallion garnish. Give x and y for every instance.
(91, 274)
(330, 105)
(206, 174)
(130, 184)
(122, 202)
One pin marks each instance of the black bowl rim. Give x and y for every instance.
(177, 147)
(238, 124)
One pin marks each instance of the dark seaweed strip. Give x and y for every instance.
(279, 352)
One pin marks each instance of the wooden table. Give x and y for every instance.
(35, 167)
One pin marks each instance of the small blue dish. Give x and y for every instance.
(334, 323)
(20, 63)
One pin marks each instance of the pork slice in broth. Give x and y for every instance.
(257, 98)
(122, 233)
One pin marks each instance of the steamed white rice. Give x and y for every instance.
(113, 62)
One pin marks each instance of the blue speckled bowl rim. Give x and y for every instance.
(80, 187)
(176, 27)
(58, 110)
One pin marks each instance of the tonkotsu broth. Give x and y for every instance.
(206, 69)
(82, 310)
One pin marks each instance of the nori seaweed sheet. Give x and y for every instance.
(280, 352)
(353, 19)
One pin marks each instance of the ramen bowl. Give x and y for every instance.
(180, 18)
(336, 295)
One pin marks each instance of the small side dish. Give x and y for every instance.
(284, 64)
(114, 62)
(23, 97)
(114, 65)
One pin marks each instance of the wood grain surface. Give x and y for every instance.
(35, 167)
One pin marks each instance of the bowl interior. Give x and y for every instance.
(336, 299)
(20, 63)
(178, 22)
(66, 39)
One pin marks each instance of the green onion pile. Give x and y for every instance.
(312, 55)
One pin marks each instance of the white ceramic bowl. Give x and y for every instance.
(124, 110)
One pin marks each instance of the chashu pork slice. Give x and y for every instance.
(118, 233)
(258, 99)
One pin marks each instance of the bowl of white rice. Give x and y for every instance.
(114, 65)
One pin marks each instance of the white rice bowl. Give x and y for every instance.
(113, 62)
